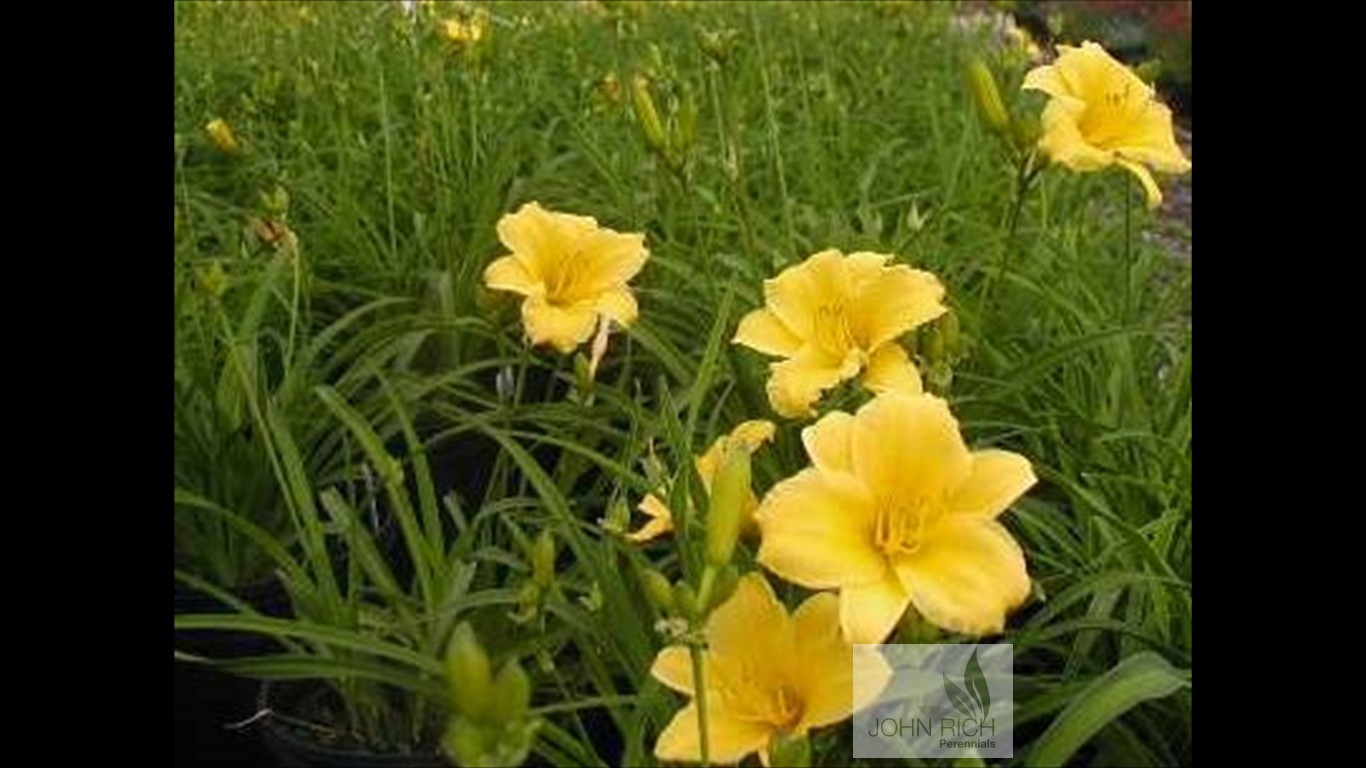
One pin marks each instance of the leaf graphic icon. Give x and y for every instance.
(956, 696)
(976, 683)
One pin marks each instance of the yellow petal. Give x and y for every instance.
(829, 442)
(605, 259)
(1046, 79)
(762, 331)
(864, 269)
(729, 738)
(826, 668)
(908, 447)
(798, 292)
(1146, 178)
(753, 433)
(752, 635)
(817, 531)
(748, 435)
(966, 576)
(998, 478)
(509, 274)
(1150, 140)
(890, 370)
(562, 327)
(900, 299)
(673, 667)
(796, 384)
(660, 523)
(869, 612)
(618, 304)
(537, 236)
(1063, 142)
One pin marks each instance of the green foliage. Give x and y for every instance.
(360, 417)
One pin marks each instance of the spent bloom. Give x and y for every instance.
(572, 272)
(749, 436)
(768, 675)
(833, 317)
(896, 511)
(1100, 114)
(220, 133)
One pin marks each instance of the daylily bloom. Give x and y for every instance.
(571, 271)
(1102, 114)
(767, 675)
(471, 31)
(749, 435)
(834, 316)
(895, 511)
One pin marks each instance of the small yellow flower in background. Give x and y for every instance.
(895, 511)
(468, 32)
(220, 133)
(571, 271)
(834, 316)
(750, 436)
(768, 675)
(1101, 114)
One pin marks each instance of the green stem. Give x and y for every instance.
(1128, 246)
(700, 685)
(1023, 178)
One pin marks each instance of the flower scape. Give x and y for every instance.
(595, 383)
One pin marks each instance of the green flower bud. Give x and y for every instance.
(511, 694)
(463, 742)
(950, 331)
(543, 560)
(727, 579)
(659, 590)
(1149, 70)
(276, 201)
(988, 96)
(729, 490)
(685, 600)
(212, 281)
(471, 680)
(644, 105)
(790, 752)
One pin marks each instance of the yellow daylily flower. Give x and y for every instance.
(571, 271)
(1100, 114)
(471, 31)
(834, 316)
(768, 674)
(221, 134)
(750, 435)
(895, 511)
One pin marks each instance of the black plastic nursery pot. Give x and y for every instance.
(295, 743)
(208, 701)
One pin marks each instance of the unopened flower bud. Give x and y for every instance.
(470, 677)
(463, 742)
(644, 105)
(685, 600)
(659, 590)
(727, 579)
(511, 694)
(725, 512)
(987, 96)
(543, 559)
(221, 134)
